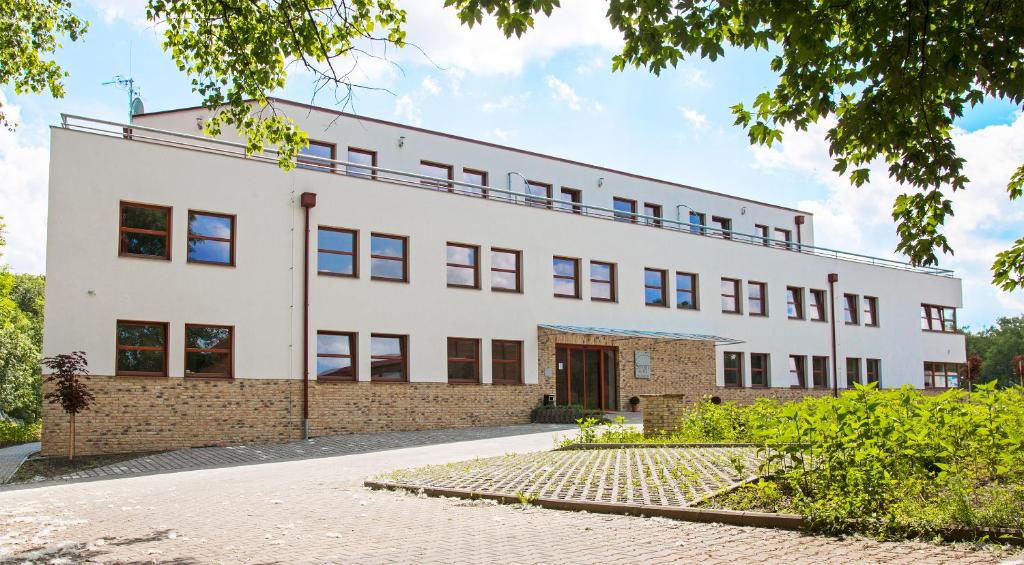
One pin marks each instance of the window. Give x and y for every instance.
(208, 351)
(941, 375)
(817, 305)
(730, 296)
(938, 318)
(602, 281)
(784, 238)
(655, 281)
(535, 189)
(697, 222)
(145, 231)
(625, 209)
(141, 349)
(871, 311)
(798, 371)
(211, 238)
(506, 362)
(361, 163)
(566, 277)
(388, 358)
(654, 213)
(819, 369)
(723, 226)
(506, 270)
(757, 298)
(795, 303)
(852, 371)
(389, 257)
(336, 356)
(570, 200)
(733, 368)
(474, 176)
(463, 265)
(463, 360)
(874, 370)
(686, 291)
(316, 156)
(759, 369)
(762, 232)
(337, 252)
(851, 309)
(438, 171)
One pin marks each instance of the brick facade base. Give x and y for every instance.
(662, 411)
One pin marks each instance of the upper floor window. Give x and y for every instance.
(337, 252)
(506, 362)
(463, 360)
(798, 371)
(566, 276)
(784, 238)
(535, 189)
(873, 369)
(477, 177)
(723, 226)
(506, 270)
(208, 351)
(852, 371)
(938, 318)
(819, 368)
(317, 156)
(141, 349)
(759, 369)
(211, 238)
(730, 296)
(817, 305)
(625, 209)
(145, 230)
(732, 368)
(602, 281)
(336, 356)
(851, 309)
(362, 163)
(795, 303)
(686, 291)
(571, 199)
(438, 171)
(463, 265)
(655, 281)
(761, 231)
(941, 375)
(389, 359)
(653, 213)
(389, 259)
(757, 301)
(697, 222)
(871, 311)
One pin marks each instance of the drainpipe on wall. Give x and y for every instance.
(308, 201)
(799, 237)
(833, 278)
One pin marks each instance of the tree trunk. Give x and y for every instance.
(71, 440)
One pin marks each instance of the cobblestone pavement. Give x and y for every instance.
(315, 511)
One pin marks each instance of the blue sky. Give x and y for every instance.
(553, 92)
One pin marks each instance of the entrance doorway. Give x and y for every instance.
(586, 375)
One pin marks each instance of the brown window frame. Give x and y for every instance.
(574, 204)
(797, 303)
(800, 362)
(531, 199)
(877, 372)
(764, 237)
(353, 356)
(738, 370)
(724, 229)
(475, 266)
(851, 309)
(944, 375)
(404, 259)
(576, 279)
(859, 378)
(317, 165)
(612, 281)
(764, 371)
(373, 163)
(926, 310)
(821, 296)
(230, 353)
(518, 272)
(118, 348)
(737, 287)
(122, 230)
(484, 177)
(663, 277)
(823, 373)
(437, 185)
(695, 278)
(230, 241)
(354, 253)
(518, 361)
(763, 310)
(870, 311)
(656, 211)
(626, 217)
(475, 361)
(404, 357)
(787, 238)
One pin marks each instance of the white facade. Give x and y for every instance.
(90, 287)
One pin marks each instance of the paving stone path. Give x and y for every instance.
(11, 458)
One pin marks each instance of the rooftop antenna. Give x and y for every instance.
(135, 106)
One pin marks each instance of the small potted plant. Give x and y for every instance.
(633, 403)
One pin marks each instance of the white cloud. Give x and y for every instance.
(563, 93)
(24, 162)
(407, 109)
(590, 65)
(500, 134)
(696, 120)
(507, 102)
(694, 77)
(431, 86)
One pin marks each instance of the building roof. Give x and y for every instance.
(652, 334)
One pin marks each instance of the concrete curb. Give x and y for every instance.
(585, 446)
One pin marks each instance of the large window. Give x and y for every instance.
(761, 231)
(795, 303)
(871, 311)
(389, 359)
(873, 369)
(798, 371)
(141, 349)
(362, 163)
(941, 375)
(463, 265)
(851, 309)
(317, 156)
(757, 298)
(723, 226)
(819, 368)
(208, 351)
(211, 238)
(463, 360)
(697, 222)
(938, 318)
(570, 200)
(817, 305)
(566, 277)
(389, 260)
(477, 177)
(686, 291)
(655, 291)
(145, 231)
(602, 281)
(784, 238)
(733, 368)
(535, 189)
(336, 356)
(852, 371)
(759, 369)
(506, 270)
(337, 252)
(653, 213)
(625, 209)
(506, 362)
(438, 171)
(730, 296)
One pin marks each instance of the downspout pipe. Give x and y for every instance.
(308, 201)
(833, 278)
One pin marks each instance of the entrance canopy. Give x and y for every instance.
(625, 333)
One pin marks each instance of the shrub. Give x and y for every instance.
(13, 433)
(565, 414)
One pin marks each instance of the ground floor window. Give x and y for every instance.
(758, 369)
(208, 351)
(389, 361)
(463, 360)
(874, 370)
(798, 371)
(141, 349)
(336, 356)
(819, 367)
(733, 368)
(852, 371)
(506, 362)
(941, 375)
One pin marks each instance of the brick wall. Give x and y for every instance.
(662, 412)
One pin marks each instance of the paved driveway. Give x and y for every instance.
(315, 510)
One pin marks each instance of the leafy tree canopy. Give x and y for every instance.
(997, 346)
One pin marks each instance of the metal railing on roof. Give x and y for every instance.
(135, 132)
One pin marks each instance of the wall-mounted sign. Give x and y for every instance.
(642, 364)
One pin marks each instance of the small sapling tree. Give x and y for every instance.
(68, 372)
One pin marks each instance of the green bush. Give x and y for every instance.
(13, 433)
(565, 414)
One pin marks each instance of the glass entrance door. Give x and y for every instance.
(586, 376)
